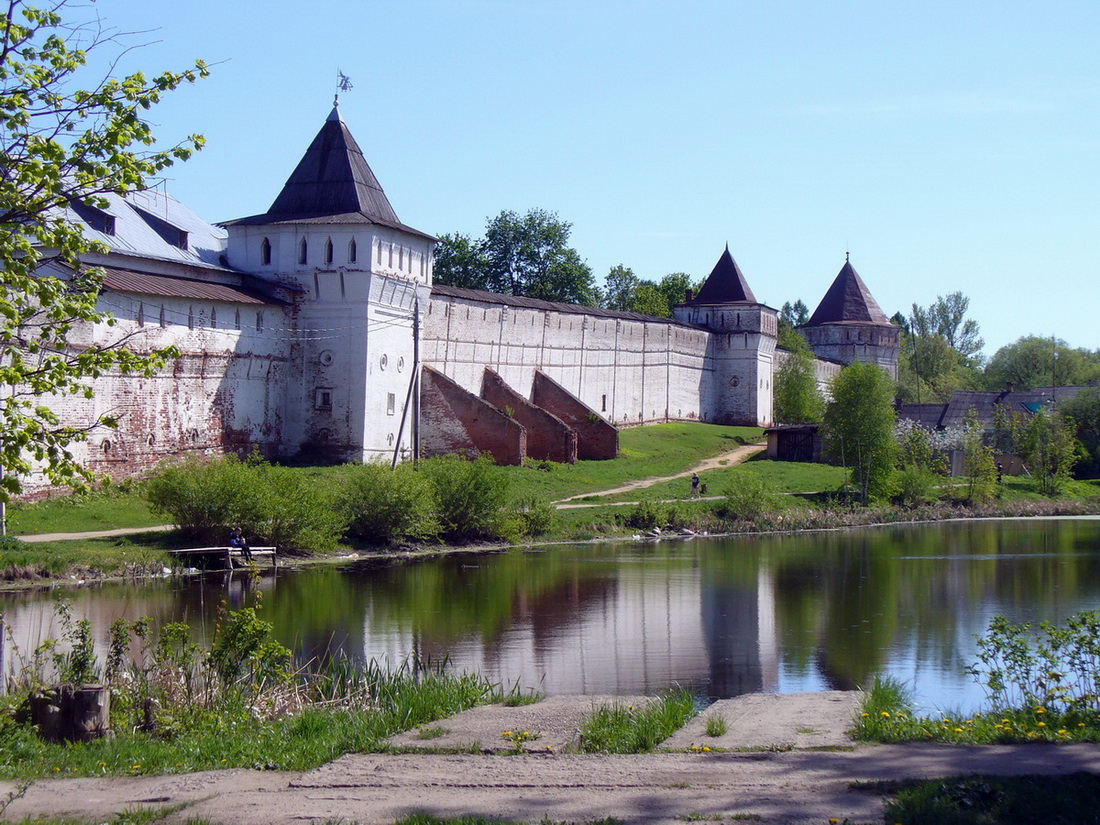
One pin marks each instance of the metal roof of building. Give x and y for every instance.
(143, 283)
(332, 184)
(551, 306)
(136, 219)
(725, 284)
(848, 301)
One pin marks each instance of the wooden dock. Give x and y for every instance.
(231, 553)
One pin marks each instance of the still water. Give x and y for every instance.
(812, 611)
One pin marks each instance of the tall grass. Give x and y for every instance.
(619, 728)
(177, 707)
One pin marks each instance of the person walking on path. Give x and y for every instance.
(695, 485)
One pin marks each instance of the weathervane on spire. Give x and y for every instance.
(343, 84)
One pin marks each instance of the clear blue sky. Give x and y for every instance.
(949, 145)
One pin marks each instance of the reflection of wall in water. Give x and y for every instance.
(639, 630)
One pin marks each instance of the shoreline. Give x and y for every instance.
(1089, 510)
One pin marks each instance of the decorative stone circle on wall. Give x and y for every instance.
(383, 361)
(326, 358)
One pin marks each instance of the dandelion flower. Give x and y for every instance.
(885, 714)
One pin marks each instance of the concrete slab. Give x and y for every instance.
(774, 720)
(552, 725)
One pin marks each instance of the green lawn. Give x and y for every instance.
(656, 450)
(81, 512)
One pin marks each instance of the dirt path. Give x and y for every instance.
(795, 787)
(95, 534)
(730, 459)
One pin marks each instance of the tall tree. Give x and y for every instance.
(796, 398)
(948, 315)
(59, 145)
(940, 350)
(1084, 412)
(459, 262)
(795, 314)
(524, 255)
(859, 426)
(1032, 361)
(619, 287)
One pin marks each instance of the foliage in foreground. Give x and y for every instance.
(177, 707)
(993, 800)
(1042, 684)
(62, 147)
(619, 728)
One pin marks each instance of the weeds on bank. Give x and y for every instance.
(176, 707)
(1042, 685)
(430, 819)
(618, 728)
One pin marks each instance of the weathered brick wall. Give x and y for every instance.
(225, 393)
(596, 439)
(548, 437)
(453, 420)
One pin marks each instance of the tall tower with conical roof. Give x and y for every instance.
(355, 274)
(741, 350)
(848, 325)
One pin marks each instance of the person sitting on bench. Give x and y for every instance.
(237, 541)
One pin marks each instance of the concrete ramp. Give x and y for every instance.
(775, 720)
(553, 725)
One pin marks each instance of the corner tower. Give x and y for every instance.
(355, 271)
(741, 350)
(848, 325)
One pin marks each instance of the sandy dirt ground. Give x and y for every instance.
(775, 785)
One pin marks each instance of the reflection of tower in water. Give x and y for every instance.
(739, 635)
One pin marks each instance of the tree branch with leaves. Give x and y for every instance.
(62, 144)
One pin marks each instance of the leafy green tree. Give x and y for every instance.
(920, 466)
(948, 316)
(674, 287)
(940, 350)
(459, 262)
(59, 145)
(649, 300)
(1047, 445)
(796, 397)
(979, 466)
(859, 427)
(524, 255)
(619, 288)
(1032, 361)
(1084, 412)
(795, 314)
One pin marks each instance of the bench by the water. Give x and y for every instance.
(230, 553)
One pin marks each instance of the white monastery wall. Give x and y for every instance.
(630, 371)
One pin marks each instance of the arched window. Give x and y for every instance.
(141, 315)
(213, 317)
(328, 251)
(303, 252)
(236, 319)
(265, 252)
(353, 252)
(259, 322)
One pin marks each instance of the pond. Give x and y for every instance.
(782, 613)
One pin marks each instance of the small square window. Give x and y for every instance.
(323, 399)
(391, 404)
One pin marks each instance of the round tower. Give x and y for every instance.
(848, 325)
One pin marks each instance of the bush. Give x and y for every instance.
(273, 504)
(471, 497)
(916, 486)
(645, 515)
(384, 506)
(205, 498)
(538, 515)
(749, 497)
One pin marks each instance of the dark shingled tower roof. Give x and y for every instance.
(331, 184)
(725, 284)
(848, 301)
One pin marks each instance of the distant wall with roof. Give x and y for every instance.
(628, 368)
